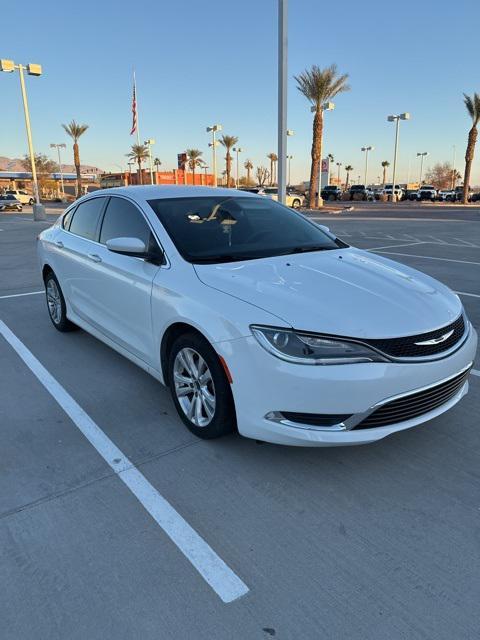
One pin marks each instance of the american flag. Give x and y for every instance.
(134, 108)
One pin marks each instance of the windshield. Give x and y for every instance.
(225, 229)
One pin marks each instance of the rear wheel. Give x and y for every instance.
(296, 204)
(57, 309)
(199, 387)
(31, 201)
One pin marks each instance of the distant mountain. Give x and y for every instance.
(15, 164)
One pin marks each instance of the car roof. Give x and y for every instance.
(154, 192)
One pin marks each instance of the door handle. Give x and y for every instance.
(94, 256)
(59, 244)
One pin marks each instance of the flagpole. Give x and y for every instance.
(136, 101)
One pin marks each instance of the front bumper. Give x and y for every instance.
(264, 387)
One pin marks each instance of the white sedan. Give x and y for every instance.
(257, 318)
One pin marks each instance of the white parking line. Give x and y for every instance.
(19, 295)
(475, 372)
(226, 584)
(411, 255)
(392, 246)
(464, 293)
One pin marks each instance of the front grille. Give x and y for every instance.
(315, 419)
(406, 348)
(415, 404)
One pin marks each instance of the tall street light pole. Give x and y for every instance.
(454, 170)
(422, 157)
(213, 129)
(237, 150)
(149, 143)
(58, 147)
(396, 119)
(282, 99)
(33, 70)
(289, 158)
(366, 150)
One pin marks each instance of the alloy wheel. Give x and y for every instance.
(194, 388)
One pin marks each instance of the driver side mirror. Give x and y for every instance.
(327, 231)
(135, 248)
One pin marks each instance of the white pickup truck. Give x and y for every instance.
(21, 195)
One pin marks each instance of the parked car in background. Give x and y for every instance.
(387, 191)
(21, 195)
(295, 201)
(255, 317)
(446, 195)
(427, 192)
(10, 203)
(410, 194)
(360, 192)
(459, 194)
(331, 192)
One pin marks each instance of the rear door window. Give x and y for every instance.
(85, 218)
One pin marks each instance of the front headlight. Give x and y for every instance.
(303, 348)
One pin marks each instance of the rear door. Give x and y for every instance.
(76, 254)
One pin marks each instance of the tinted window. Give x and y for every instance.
(85, 218)
(224, 229)
(123, 220)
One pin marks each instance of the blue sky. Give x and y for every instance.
(213, 61)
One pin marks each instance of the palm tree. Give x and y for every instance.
(385, 164)
(157, 162)
(319, 86)
(473, 108)
(75, 130)
(273, 158)
(248, 164)
(139, 154)
(228, 142)
(194, 160)
(348, 168)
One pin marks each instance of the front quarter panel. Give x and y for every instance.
(179, 296)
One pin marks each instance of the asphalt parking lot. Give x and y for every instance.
(375, 542)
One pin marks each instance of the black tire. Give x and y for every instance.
(296, 204)
(59, 316)
(223, 420)
(31, 202)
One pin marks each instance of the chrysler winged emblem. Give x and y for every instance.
(445, 336)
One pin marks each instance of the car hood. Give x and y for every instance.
(345, 292)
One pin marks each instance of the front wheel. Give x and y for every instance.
(199, 387)
(296, 204)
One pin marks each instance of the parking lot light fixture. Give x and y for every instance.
(396, 119)
(237, 150)
(366, 150)
(422, 157)
(213, 130)
(59, 146)
(9, 66)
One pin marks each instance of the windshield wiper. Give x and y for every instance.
(306, 249)
(224, 258)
